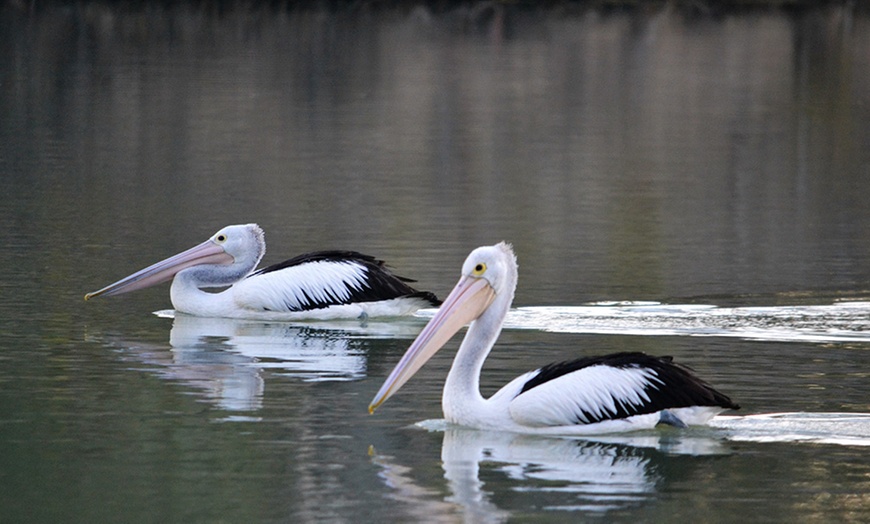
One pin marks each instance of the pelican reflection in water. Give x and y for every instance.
(226, 361)
(592, 474)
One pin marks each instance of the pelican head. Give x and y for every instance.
(489, 276)
(227, 256)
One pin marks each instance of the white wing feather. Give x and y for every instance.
(324, 282)
(595, 390)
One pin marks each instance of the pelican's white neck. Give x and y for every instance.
(462, 402)
(187, 297)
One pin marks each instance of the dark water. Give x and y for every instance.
(669, 160)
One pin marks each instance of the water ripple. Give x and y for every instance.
(845, 429)
(838, 322)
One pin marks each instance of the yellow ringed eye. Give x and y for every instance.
(221, 238)
(480, 268)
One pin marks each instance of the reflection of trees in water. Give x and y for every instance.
(671, 155)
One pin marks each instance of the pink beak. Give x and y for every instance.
(466, 302)
(206, 253)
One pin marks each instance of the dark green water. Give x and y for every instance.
(628, 156)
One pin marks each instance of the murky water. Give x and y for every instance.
(672, 183)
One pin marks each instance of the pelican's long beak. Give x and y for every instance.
(206, 253)
(465, 303)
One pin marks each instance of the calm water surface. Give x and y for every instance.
(672, 183)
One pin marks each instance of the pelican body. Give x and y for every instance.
(321, 285)
(612, 393)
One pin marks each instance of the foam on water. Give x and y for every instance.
(837, 322)
(846, 429)
(843, 429)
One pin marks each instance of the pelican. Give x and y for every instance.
(321, 285)
(612, 393)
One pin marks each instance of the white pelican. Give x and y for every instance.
(618, 392)
(321, 285)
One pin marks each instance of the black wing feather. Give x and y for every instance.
(679, 387)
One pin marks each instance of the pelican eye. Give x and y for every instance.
(221, 238)
(479, 269)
